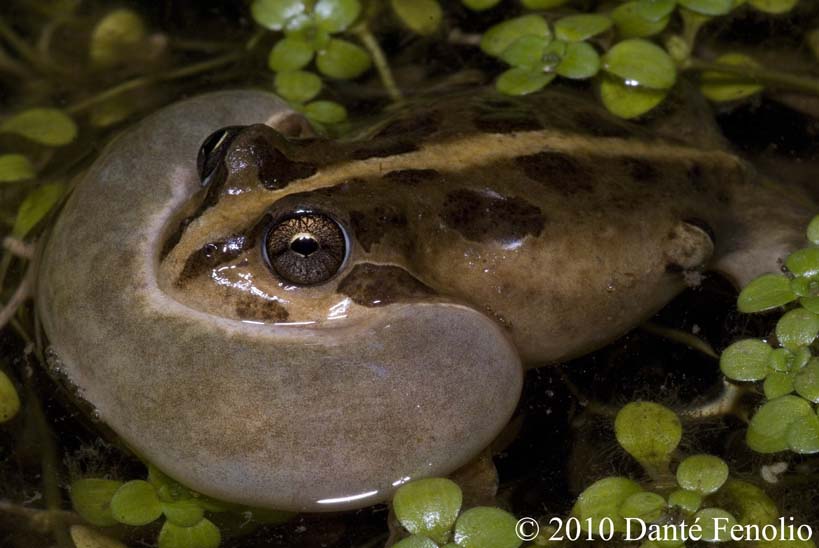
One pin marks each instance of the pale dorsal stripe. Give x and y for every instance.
(453, 154)
(460, 153)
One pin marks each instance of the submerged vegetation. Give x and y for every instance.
(322, 56)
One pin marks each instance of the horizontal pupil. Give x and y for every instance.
(304, 245)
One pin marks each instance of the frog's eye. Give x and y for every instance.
(306, 249)
(213, 151)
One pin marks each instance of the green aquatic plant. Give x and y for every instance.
(787, 364)
(309, 34)
(106, 503)
(9, 399)
(700, 490)
(635, 62)
(430, 510)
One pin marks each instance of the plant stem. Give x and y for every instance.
(142, 81)
(49, 463)
(760, 75)
(25, 51)
(41, 521)
(380, 61)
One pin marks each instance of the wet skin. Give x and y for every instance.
(305, 324)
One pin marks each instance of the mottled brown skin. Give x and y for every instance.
(480, 233)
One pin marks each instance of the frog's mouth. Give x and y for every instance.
(290, 417)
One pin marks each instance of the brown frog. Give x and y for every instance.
(307, 324)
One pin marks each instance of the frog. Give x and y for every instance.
(283, 320)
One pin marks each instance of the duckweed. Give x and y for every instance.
(790, 372)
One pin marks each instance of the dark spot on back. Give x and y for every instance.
(383, 150)
(378, 285)
(371, 225)
(276, 170)
(641, 170)
(420, 125)
(556, 170)
(261, 310)
(411, 177)
(697, 178)
(479, 217)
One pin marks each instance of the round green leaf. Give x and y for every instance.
(781, 359)
(304, 28)
(648, 432)
(421, 16)
(767, 432)
(289, 54)
(801, 357)
(603, 499)
(91, 498)
(806, 381)
(336, 15)
(797, 328)
(518, 81)
(499, 37)
(687, 500)
(645, 506)
(415, 541)
(526, 52)
(813, 230)
(15, 167)
(202, 535)
(428, 507)
(168, 489)
(9, 400)
(343, 60)
(581, 61)
(747, 502)
(136, 503)
(325, 112)
(274, 14)
(720, 86)
(185, 512)
(480, 5)
(47, 126)
(765, 292)
(810, 303)
(802, 287)
(716, 524)
(576, 28)
(774, 6)
(485, 527)
(803, 435)
(542, 4)
(35, 207)
(746, 360)
(115, 36)
(297, 85)
(641, 63)
(630, 24)
(628, 101)
(778, 384)
(708, 7)
(804, 262)
(655, 10)
(703, 474)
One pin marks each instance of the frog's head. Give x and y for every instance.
(222, 316)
